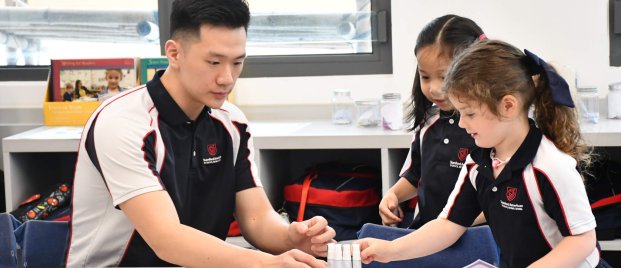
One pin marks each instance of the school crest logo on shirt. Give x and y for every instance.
(212, 149)
(511, 193)
(462, 154)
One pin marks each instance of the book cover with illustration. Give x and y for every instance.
(148, 67)
(84, 79)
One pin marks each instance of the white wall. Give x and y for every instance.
(572, 34)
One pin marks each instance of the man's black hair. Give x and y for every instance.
(188, 16)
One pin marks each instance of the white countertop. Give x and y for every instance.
(325, 135)
(607, 132)
(289, 135)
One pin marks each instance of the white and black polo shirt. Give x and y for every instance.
(436, 156)
(141, 141)
(536, 200)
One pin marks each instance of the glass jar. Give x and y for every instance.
(588, 106)
(368, 112)
(392, 111)
(614, 101)
(342, 107)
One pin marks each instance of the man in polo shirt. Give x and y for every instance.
(163, 168)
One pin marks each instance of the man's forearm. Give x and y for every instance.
(270, 233)
(189, 247)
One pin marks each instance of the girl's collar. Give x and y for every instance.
(497, 162)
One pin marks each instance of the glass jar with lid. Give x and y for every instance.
(368, 112)
(392, 111)
(588, 104)
(614, 100)
(342, 107)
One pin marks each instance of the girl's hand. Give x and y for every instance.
(389, 209)
(372, 249)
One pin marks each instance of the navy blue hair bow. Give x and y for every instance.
(559, 89)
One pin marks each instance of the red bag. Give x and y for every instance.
(347, 195)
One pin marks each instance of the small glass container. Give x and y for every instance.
(614, 101)
(342, 107)
(368, 113)
(392, 111)
(588, 106)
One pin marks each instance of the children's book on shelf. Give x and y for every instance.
(148, 67)
(76, 87)
(84, 79)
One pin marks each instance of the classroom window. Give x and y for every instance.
(34, 31)
(312, 38)
(285, 38)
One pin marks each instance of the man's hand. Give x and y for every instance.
(293, 258)
(312, 236)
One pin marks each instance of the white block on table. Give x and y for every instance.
(346, 262)
(355, 252)
(347, 252)
(332, 251)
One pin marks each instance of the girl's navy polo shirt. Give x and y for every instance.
(536, 200)
(436, 156)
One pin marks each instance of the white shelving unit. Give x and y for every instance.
(40, 157)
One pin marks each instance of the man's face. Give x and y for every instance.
(210, 66)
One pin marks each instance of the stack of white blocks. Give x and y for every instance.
(344, 255)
